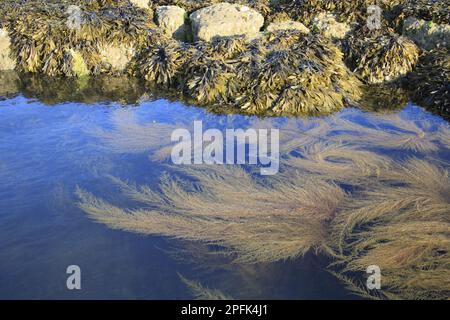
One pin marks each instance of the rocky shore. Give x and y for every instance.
(250, 56)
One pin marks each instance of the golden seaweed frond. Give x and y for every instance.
(402, 225)
(203, 293)
(281, 220)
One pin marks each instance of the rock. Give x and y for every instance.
(117, 57)
(171, 20)
(427, 34)
(288, 25)
(224, 20)
(140, 3)
(326, 23)
(6, 62)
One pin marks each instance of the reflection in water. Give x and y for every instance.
(349, 188)
(355, 189)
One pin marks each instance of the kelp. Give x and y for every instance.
(44, 41)
(380, 56)
(430, 81)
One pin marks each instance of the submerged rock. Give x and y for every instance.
(287, 25)
(6, 60)
(224, 20)
(326, 23)
(426, 34)
(171, 20)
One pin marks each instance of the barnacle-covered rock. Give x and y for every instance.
(427, 34)
(430, 81)
(171, 20)
(326, 24)
(224, 20)
(7, 62)
(382, 56)
(287, 25)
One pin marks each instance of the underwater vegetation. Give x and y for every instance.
(338, 194)
(202, 293)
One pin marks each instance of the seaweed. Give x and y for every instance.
(381, 55)
(429, 82)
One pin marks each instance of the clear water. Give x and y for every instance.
(47, 151)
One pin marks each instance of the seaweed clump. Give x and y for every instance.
(285, 72)
(346, 11)
(381, 55)
(429, 10)
(430, 81)
(46, 40)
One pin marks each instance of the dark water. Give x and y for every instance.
(47, 151)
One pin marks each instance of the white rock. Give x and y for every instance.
(326, 23)
(6, 60)
(287, 25)
(226, 19)
(427, 34)
(140, 3)
(171, 20)
(117, 57)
